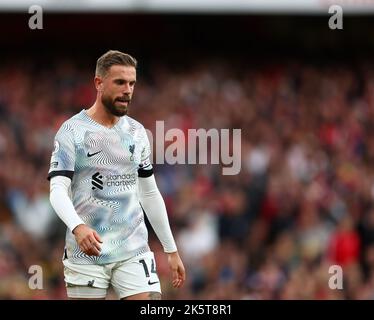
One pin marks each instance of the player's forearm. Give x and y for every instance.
(155, 209)
(61, 202)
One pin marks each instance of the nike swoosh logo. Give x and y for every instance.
(150, 283)
(92, 154)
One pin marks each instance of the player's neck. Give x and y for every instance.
(99, 114)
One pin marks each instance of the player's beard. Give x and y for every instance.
(110, 106)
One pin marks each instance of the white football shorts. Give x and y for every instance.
(133, 276)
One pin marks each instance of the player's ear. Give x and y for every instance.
(98, 83)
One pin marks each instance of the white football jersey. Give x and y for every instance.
(104, 165)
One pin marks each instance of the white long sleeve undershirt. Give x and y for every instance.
(155, 209)
(149, 196)
(61, 202)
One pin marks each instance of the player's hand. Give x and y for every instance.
(88, 240)
(177, 268)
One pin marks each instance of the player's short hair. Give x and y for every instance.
(111, 58)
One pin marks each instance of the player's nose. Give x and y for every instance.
(126, 89)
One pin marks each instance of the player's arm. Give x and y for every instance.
(87, 238)
(60, 175)
(155, 209)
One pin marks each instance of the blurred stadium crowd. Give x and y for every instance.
(303, 201)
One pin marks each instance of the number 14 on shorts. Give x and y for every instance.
(146, 270)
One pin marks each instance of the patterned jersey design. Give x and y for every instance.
(104, 165)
